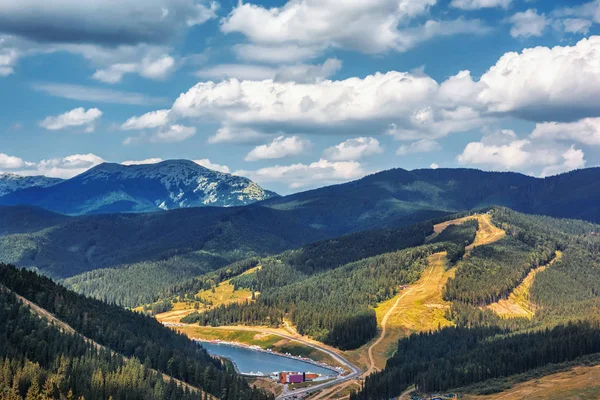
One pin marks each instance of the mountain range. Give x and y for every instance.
(117, 188)
(10, 183)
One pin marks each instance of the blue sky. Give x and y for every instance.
(302, 93)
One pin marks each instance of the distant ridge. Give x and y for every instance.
(117, 188)
(10, 183)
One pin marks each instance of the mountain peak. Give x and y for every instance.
(167, 185)
(10, 183)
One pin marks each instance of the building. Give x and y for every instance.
(296, 378)
(310, 377)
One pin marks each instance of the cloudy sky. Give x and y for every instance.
(302, 93)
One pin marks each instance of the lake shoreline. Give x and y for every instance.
(335, 370)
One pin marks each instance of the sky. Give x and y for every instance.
(300, 94)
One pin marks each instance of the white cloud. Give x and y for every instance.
(103, 22)
(576, 25)
(539, 84)
(96, 94)
(528, 23)
(354, 149)
(280, 147)
(9, 56)
(420, 146)
(478, 4)
(76, 117)
(230, 134)
(205, 162)
(143, 162)
(300, 175)
(589, 10)
(239, 71)
(167, 134)
(148, 68)
(586, 131)
(277, 54)
(270, 104)
(572, 159)
(328, 23)
(66, 167)
(11, 162)
(297, 73)
(544, 84)
(153, 119)
(173, 133)
(434, 166)
(503, 150)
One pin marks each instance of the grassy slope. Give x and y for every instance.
(580, 383)
(224, 293)
(420, 307)
(518, 304)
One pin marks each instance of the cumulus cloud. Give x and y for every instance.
(420, 146)
(539, 84)
(434, 166)
(503, 150)
(528, 23)
(66, 167)
(298, 176)
(572, 159)
(269, 105)
(280, 147)
(543, 84)
(324, 23)
(12, 162)
(153, 119)
(76, 117)
(354, 149)
(478, 4)
(205, 162)
(143, 162)
(586, 131)
(102, 21)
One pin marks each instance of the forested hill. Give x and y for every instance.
(398, 196)
(37, 356)
(486, 348)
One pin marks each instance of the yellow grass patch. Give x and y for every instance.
(420, 307)
(518, 303)
(580, 383)
(224, 293)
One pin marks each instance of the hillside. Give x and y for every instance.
(206, 237)
(117, 188)
(550, 263)
(400, 197)
(101, 347)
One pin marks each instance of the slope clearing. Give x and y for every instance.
(420, 307)
(518, 303)
(224, 293)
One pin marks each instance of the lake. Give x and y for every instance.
(253, 361)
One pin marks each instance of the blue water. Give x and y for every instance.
(248, 360)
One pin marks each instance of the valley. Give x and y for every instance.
(391, 301)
